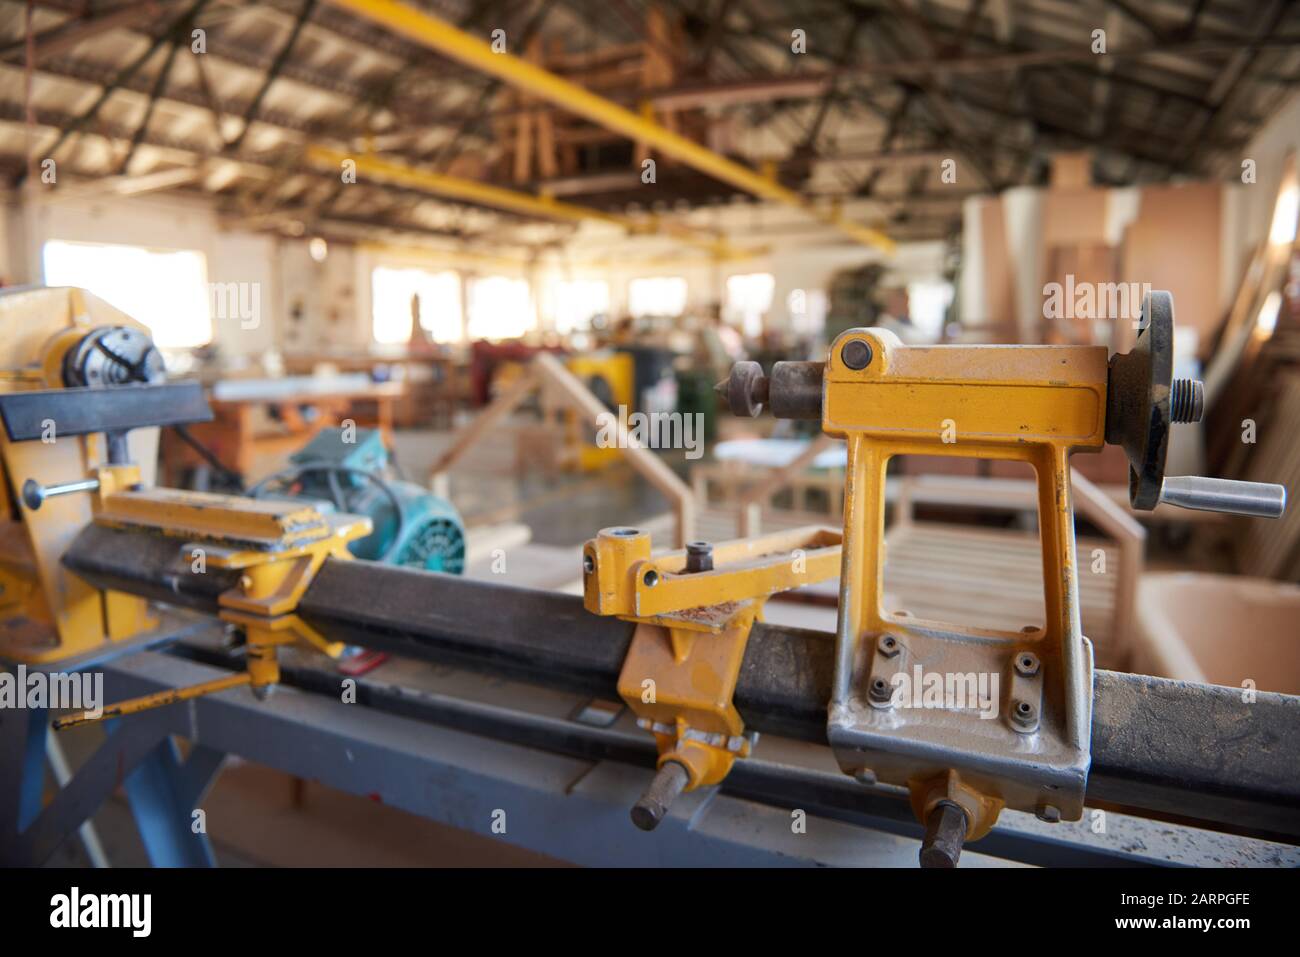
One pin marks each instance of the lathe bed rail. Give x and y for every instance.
(1197, 752)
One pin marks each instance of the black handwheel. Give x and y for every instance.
(1138, 400)
(1143, 400)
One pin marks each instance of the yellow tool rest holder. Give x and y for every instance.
(277, 547)
(963, 755)
(693, 610)
(77, 376)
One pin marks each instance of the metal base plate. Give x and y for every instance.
(922, 701)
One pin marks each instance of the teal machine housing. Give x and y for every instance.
(412, 526)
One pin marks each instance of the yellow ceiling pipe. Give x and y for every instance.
(446, 39)
(526, 204)
(455, 187)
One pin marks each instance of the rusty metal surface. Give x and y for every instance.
(795, 390)
(1191, 749)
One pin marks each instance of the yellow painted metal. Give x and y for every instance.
(126, 616)
(17, 584)
(618, 371)
(446, 39)
(256, 522)
(455, 187)
(624, 580)
(49, 615)
(680, 673)
(274, 579)
(158, 699)
(981, 809)
(680, 685)
(276, 573)
(1031, 404)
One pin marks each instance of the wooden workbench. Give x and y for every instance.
(251, 426)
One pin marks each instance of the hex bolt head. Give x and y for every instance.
(1026, 663)
(1023, 714)
(856, 353)
(945, 832)
(699, 557)
(889, 646)
(670, 781)
(880, 690)
(1049, 813)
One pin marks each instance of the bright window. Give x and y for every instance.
(658, 296)
(927, 305)
(577, 301)
(749, 297)
(499, 308)
(167, 290)
(391, 300)
(807, 309)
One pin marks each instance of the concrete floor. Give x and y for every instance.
(259, 817)
(561, 509)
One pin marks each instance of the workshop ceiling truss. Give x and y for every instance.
(885, 91)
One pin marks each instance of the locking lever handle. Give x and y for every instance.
(1254, 499)
(34, 493)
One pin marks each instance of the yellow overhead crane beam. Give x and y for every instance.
(526, 204)
(446, 39)
(455, 187)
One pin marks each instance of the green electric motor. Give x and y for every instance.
(348, 469)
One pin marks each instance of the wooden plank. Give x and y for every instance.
(651, 467)
(1271, 547)
(946, 573)
(750, 506)
(481, 425)
(1100, 509)
(1072, 170)
(1173, 244)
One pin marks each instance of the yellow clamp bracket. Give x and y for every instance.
(278, 547)
(694, 610)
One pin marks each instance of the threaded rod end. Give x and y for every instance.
(1186, 400)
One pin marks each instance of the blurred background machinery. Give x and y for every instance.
(348, 469)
